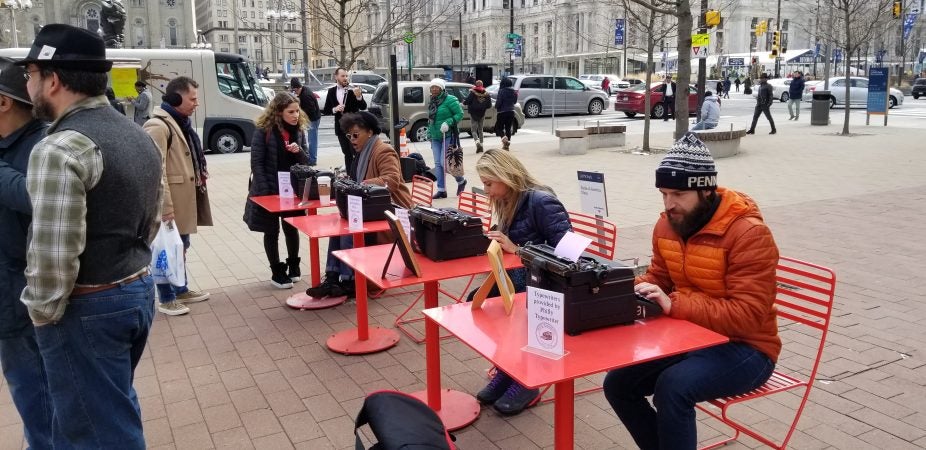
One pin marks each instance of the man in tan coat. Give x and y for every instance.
(185, 204)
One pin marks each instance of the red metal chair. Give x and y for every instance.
(469, 202)
(422, 190)
(805, 303)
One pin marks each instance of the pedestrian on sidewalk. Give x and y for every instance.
(719, 88)
(309, 106)
(504, 105)
(710, 113)
(185, 203)
(444, 113)
(763, 103)
(668, 99)
(142, 103)
(726, 88)
(95, 186)
(713, 264)
(276, 146)
(737, 82)
(477, 102)
(795, 91)
(20, 358)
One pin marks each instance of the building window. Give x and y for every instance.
(506, 4)
(483, 46)
(138, 33)
(242, 39)
(172, 32)
(550, 37)
(257, 39)
(92, 18)
(258, 55)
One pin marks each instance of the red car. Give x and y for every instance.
(631, 101)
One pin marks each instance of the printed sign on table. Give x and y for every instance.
(545, 321)
(402, 215)
(592, 194)
(285, 186)
(354, 213)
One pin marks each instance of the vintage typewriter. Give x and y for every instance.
(596, 294)
(447, 233)
(376, 199)
(300, 174)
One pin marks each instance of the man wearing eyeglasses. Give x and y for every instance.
(19, 351)
(341, 100)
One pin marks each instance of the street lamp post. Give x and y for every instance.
(277, 17)
(14, 6)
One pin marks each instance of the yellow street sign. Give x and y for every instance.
(700, 40)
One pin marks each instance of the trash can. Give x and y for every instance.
(820, 108)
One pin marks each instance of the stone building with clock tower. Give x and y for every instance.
(149, 23)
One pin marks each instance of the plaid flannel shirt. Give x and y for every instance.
(63, 167)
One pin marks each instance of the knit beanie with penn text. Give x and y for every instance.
(687, 166)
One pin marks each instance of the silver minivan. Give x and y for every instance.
(536, 94)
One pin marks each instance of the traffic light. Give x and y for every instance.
(774, 53)
(712, 18)
(776, 39)
(896, 10)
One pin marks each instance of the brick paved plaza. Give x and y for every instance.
(244, 371)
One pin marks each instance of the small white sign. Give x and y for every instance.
(285, 185)
(592, 195)
(354, 213)
(402, 215)
(545, 322)
(699, 52)
(571, 246)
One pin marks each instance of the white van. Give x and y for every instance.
(229, 96)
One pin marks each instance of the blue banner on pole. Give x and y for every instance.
(908, 24)
(877, 90)
(618, 31)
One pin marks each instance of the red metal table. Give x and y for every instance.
(459, 409)
(501, 338)
(322, 226)
(277, 204)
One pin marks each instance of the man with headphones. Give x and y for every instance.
(184, 179)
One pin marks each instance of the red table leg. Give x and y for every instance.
(564, 415)
(364, 339)
(314, 263)
(456, 409)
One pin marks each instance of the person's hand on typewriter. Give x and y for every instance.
(655, 294)
(502, 240)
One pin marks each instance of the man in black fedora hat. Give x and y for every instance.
(95, 185)
(19, 351)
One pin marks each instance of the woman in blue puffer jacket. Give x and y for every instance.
(524, 211)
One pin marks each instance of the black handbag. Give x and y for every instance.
(300, 174)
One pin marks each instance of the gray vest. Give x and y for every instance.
(124, 206)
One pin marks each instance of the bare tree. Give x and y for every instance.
(354, 29)
(654, 27)
(857, 23)
(681, 10)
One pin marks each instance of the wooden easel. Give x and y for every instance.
(497, 277)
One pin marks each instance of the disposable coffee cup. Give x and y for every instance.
(324, 190)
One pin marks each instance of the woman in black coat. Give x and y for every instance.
(278, 144)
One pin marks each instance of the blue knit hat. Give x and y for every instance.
(687, 166)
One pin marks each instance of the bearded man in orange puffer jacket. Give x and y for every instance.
(713, 264)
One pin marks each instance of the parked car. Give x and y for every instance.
(632, 101)
(413, 106)
(858, 92)
(322, 94)
(536, 93)
(919, 88)
(366, 77)
(779, 89)
(595, 80)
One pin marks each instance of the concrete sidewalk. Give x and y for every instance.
(244, 371)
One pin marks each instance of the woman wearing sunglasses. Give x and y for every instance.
(277, 145)
(374, 162)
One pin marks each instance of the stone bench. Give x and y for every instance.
(722, 141)
(606, 135)
(572, 141)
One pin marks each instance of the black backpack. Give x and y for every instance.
(401, 422)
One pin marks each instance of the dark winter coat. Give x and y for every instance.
(265, 148)
(796, 88)
(764, 97)
(309, 104)
(477, 102)
(15, 219)
(539, 218)
(507, 96)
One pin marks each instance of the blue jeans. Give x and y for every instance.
(311, 141)
(677, 383)
(437, 149)
(28, 384)
(333, 264)
(90, 356)
(168, 292)
(702, 125)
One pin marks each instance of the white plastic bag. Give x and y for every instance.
(167, 262)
